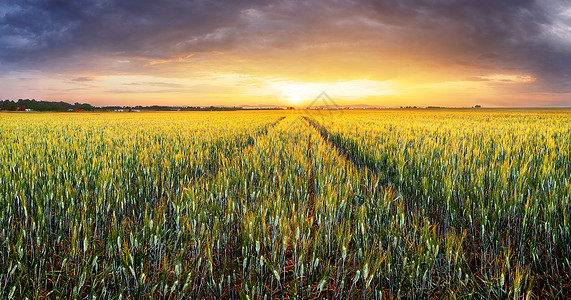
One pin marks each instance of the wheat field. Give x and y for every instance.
(291, 205)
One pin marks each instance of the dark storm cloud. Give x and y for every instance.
(35, 30)
(513, 35)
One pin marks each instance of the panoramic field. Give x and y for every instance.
(286, 204)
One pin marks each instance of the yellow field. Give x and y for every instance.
(276, 204)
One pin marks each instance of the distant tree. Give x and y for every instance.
(43, 105)
(9, 105)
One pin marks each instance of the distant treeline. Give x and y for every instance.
(170, 108)
(23, 104)
(38, 105)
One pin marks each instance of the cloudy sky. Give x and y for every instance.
(212, 52)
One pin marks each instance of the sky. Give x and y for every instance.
(508, 53)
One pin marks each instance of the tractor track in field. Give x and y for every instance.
(350, 151)
(342, 151)
(213, 163)
(362, 162)
(214, 160)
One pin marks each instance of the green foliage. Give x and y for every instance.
(43, 105)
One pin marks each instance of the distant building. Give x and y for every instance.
(477, 106)
(290, 108)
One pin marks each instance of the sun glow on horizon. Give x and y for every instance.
(234, 89)
(296, 92)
